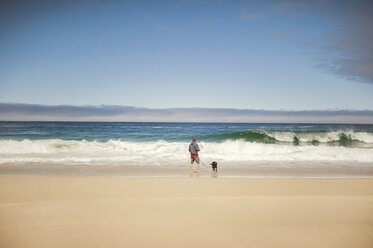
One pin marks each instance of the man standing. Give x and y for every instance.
(194, 149)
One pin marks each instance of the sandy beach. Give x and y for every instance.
(185, 212)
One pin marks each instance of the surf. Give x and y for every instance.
(331, 138)
(173, 154)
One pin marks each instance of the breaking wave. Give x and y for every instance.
(332, 138)
(234, 149)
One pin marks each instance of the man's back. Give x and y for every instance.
(193, 147)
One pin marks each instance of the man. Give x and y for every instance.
(194, 149)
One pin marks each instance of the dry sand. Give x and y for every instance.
(58, 212)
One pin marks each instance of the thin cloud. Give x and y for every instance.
(247, 15)
(35, 112)
(352, 47)
(347, 50)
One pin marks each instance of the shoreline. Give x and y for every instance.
(63, 170)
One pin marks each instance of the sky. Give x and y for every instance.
(238, 55)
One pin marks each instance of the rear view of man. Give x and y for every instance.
(194, 149)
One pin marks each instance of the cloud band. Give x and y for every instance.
(36, 112)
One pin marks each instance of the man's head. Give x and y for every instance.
(194, 139)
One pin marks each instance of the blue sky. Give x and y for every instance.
(273, 55)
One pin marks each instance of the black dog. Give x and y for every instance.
(214, 166)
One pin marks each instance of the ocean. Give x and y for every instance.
(165, 145)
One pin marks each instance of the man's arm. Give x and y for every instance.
(197, 148)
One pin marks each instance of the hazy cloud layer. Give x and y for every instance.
(351, 46)
(348, 49)
(34, 112)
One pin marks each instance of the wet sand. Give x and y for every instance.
(185, 212)
(302, 170)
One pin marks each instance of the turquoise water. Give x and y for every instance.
(209, 132)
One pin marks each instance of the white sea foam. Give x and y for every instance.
(162, 153)
(320, 136)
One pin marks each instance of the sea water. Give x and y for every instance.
(150, 144)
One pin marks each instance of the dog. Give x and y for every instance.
(214, 166)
